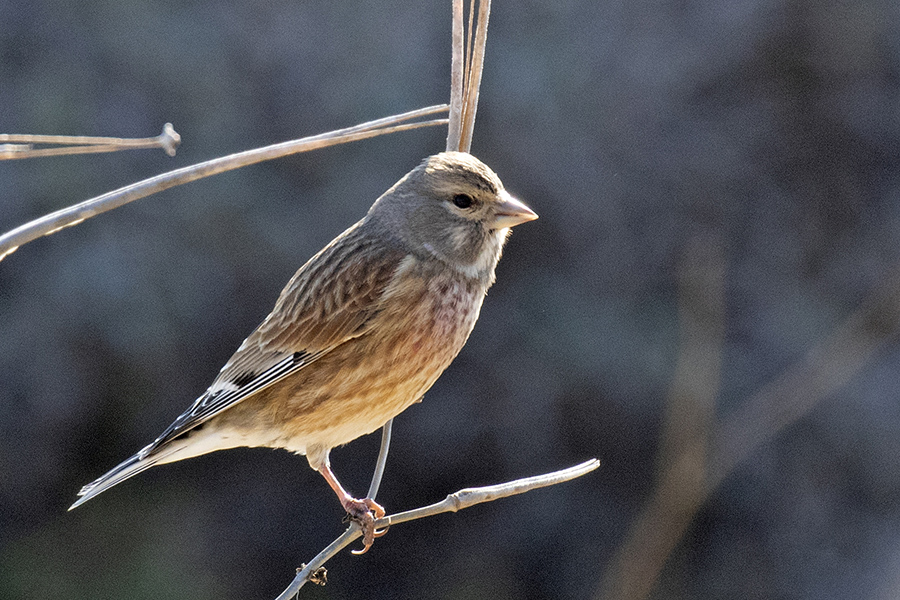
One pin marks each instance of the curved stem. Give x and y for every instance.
(382, 459)
(73, 215)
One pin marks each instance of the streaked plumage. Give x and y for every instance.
(360, 332)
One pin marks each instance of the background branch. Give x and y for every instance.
(707, 452)
(826, 368)
(690, 414)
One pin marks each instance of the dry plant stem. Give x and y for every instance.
(454, 129)
(467, 66)
(826, 368)
(690, 415)
(27, 151)
(470, 40)
(471, 496)
(452, 503)
(382, 459)
(474, 76)
(18, 146)
(73, 215)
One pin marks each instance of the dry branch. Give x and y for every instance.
(690, 416)
(473, 75)
(381, 462)
(454, 128)
(73, 215)
(19, 146)
(826, 367)
(452, 503)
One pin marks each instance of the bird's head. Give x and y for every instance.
(452, 207)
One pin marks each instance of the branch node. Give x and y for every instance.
(456, 502)
(169, 139)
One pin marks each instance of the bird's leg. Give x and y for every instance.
(360, 510)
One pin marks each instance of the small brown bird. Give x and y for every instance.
(360, 332)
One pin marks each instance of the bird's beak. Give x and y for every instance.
(511, 212)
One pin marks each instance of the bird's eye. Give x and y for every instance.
(463, 201)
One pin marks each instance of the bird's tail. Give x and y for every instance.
(141, 461)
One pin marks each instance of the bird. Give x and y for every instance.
(360, 332)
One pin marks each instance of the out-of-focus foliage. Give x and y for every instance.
(630, 127)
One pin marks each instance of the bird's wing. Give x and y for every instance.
(330, 300)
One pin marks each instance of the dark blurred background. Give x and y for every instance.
(763, 134)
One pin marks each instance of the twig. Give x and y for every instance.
(470, 40)
(18, 146)
(10, 241)
(472, 496)
(465, 73)
(827, 367)
(462, 102)
(690, 417)
(473, 77)
(454, 129)
(452, 503)
(382, 459)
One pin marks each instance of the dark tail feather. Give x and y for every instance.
(129, 468)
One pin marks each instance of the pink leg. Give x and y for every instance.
(360, 510)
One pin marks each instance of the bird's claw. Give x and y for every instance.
(365, 512)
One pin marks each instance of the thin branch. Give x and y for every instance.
(454, 129)
(18, 146)
(470, 39)
(825, 369)
(72, 215)
(689, 420)
(382, 459)
(452, 503)
(474, 76)
(467, 66)
(472, 496)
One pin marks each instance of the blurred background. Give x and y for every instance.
(708, 303)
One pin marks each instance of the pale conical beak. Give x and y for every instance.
(511, 212)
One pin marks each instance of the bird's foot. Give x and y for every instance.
(365, 512)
